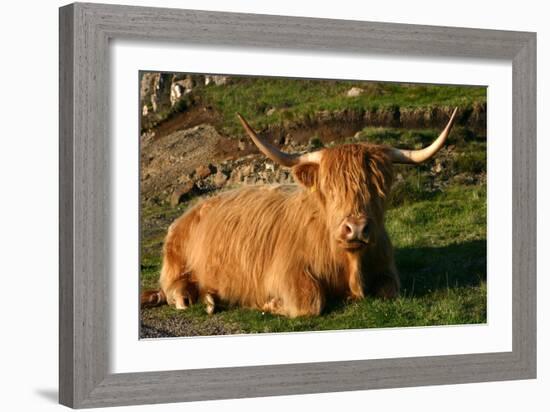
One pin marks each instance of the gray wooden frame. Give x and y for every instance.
(85, 31)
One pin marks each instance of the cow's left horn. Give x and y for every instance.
(419, 156)
(275, 154)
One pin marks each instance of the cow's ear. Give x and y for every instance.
(307, 174)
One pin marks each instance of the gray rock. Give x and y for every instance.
(180, 88)
(242, 144)
(155, 90)
(355, 92)
(203, 171)
(182, 193)
(247, 170)
(437, 168)
(220, 179)
(217, 80)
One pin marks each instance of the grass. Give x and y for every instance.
(440, 253)
(465, 305)
(272, 101)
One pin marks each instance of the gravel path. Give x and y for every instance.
(174, 325)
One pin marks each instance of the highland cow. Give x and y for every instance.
(285, 249)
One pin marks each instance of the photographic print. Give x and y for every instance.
(273, 205)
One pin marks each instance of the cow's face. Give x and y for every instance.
(351, 184)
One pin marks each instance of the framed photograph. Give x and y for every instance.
(257, 205)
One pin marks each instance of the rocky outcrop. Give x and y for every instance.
(188, 163)
(169, 163)
(216, 79)
(155, 92)
(182, 85)
(161, 94)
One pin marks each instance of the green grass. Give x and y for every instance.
(440, 253)
(453, 306)
(298, 100)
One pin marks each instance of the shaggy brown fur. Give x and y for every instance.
(277, 249)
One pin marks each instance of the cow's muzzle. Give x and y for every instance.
(354, 233)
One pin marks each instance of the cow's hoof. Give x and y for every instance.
(273, 306)
(183, 302)
(210, 303)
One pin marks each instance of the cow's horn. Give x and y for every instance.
(275, 154)
(419, 156)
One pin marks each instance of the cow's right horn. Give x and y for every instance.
(275, 154)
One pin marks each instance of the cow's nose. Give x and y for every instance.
(354, 229)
